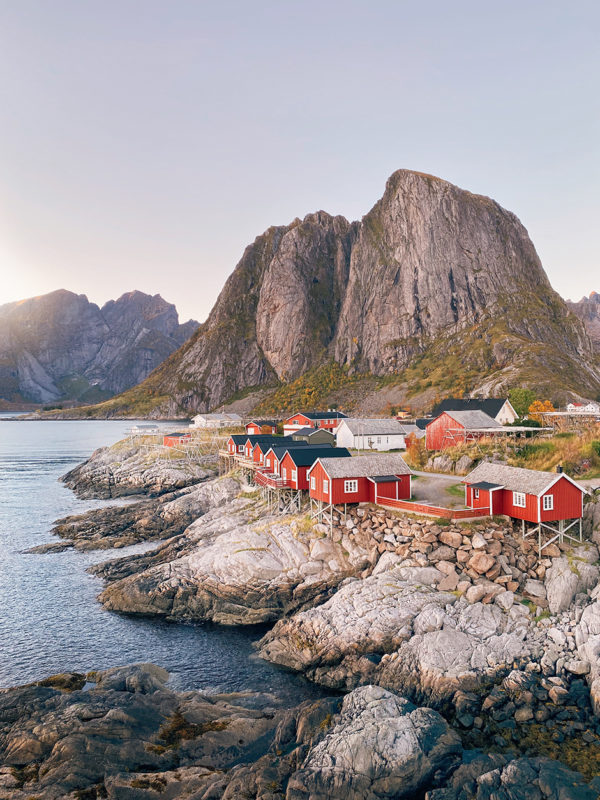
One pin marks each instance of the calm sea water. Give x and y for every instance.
(50, 620)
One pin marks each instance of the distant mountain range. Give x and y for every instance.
(435, 292)
(60, 347)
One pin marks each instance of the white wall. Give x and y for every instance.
(345, 438)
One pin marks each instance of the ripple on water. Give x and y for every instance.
(50, 620)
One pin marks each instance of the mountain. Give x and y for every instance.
(588, 311)
(435, 291)
(59, 346)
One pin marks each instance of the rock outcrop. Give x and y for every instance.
(125, 468)
(234, 566)
(380, 746)
(157, 518)
(431, 271)
(123, 734)
(62, 347)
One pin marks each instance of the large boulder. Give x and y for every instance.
(380, 746)
(571, 575)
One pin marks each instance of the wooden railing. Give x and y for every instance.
(267, 479)
(434, 511)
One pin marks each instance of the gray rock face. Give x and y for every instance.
(428, 262)
(380, 746)
(61, 346)
(397, 630)
(566, 578)
(231, 569)
(588, 311)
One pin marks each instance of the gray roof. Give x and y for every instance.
(516, 479)
(374, 427)
(365, 466)
(473, 420)
(491, 405)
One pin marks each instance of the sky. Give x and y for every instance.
(145, 144)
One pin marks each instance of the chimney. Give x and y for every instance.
(559, 469)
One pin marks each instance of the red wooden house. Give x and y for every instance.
(173, 439)
(452, 428)
(363, 479)
(313, 419)
(296, 462)
(257, 450)
(525, 494)
(236, 444)
(258, 426)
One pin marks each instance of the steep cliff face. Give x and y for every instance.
(588, 311)
(432, 275)
(61, 346)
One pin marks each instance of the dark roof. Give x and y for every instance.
(321, 414)
(281, 449)
(307, 456)
(384, 478)
(423, 422)
(485, 485)
(178, 433)
(263, 422)
(491, 406)
(255, 438)
(307, 432)
(275, 441)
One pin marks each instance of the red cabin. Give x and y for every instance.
(452, 428)
(258, 426)
(295, 463)
(526, 494)
(364, 479)
(313, 419)
(173, 439)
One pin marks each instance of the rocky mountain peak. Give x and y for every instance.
(61, 346)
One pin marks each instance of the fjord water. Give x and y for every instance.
(50, 620)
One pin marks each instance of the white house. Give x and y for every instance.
(216, 421)
(371, 434)
(583, 408)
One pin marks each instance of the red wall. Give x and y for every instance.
(253, 430)
(271, 463)
(388, 489)
(301, 481)
(434, 432)
(171, 441)
(567, 501)
(529, 513)
(319, 474)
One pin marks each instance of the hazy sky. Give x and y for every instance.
(144, 144)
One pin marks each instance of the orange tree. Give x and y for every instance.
(538, 407)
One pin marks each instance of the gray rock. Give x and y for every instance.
(381, 746)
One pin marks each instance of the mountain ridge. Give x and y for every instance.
(60, 346)
(435, 289)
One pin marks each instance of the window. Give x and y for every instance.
(476, 494)
(325, 486)
(240, 448)
(350, 487)
(548, 502)
(313, 482)
(379, 440)
(294, 475)
(284, 474)
(519, 500)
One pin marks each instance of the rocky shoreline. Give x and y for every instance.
(469, 665)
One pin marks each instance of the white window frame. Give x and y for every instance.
(476, 494)
(325, 486)
(313, 482)
(519, 500)
(548, 504)
(295, 475)
(351, 486)
(284, 473)
(240, 448)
